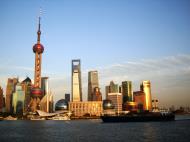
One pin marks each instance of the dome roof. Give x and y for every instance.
(36, 92)
(61, 105)
(107, 104)
(39, 48)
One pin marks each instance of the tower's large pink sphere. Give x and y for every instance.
(38, 48)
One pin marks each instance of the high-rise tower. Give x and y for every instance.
(36, 92)
(76, 81)
(92, 83)
(11, 85)
(146, 88)
(127, 91)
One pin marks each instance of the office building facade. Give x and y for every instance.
(146, 88)
(112, 88)
(76, 81)
(18, 100)
(1, 100)
(92, 83)
(116, 99)
(127, 91)
(26, 87)
(67, 97)
(45, 85)
(91, 108)
(11, 84)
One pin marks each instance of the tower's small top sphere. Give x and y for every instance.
(39, 48)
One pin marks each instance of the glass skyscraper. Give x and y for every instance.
(92, 83)
(76, 81)
(127, 91)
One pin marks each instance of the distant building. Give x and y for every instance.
(46, 103)
(112, 88)
(139, 98)
(155, 105)
(67, 97)
(26, 87)
(107, 88)
(146, 88)
(18, 100)
(116, 99)
(92, 83)
(96, 95)
(89, 108)
(45, 85)
(127, 91)
(76, 81)
(1, 100)
(11, 84)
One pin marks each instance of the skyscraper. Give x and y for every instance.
(76, 81)
(45, 85)
(18, 100)
(46, 103)
(146, 88)
(96, 95)
(112, 88)
(36, 92)
(92, 83)
(26, 87)
(127, 91)
(11, 83)
(67, 98)
(116, 99)
(1, 100)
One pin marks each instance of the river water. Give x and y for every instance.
(94, 131)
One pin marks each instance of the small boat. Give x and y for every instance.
(141, 117)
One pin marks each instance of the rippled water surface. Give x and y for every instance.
(94, 131)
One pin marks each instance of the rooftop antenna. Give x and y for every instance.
(39, 31)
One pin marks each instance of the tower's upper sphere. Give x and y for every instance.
(38, 47)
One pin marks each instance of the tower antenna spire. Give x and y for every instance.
(39, 31)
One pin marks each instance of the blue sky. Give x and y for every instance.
(123, 39)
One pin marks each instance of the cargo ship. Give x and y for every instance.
(139, 117)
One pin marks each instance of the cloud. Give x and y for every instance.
(169, 76)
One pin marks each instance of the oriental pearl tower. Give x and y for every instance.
(36, 92)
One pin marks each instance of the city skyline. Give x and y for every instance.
(125, 40)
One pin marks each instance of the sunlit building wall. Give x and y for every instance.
(92, 108)
(146, 88)
(45, 85)
(96, 95)
(46, 103)
(26, 87)
(76, 81)
(139, 98)
(11, 83)
(112, 88)
(92, 83)
(18, 100)
(116, 99)
(1, 100)
(127, 91)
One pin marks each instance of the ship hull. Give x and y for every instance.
(138, 118)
